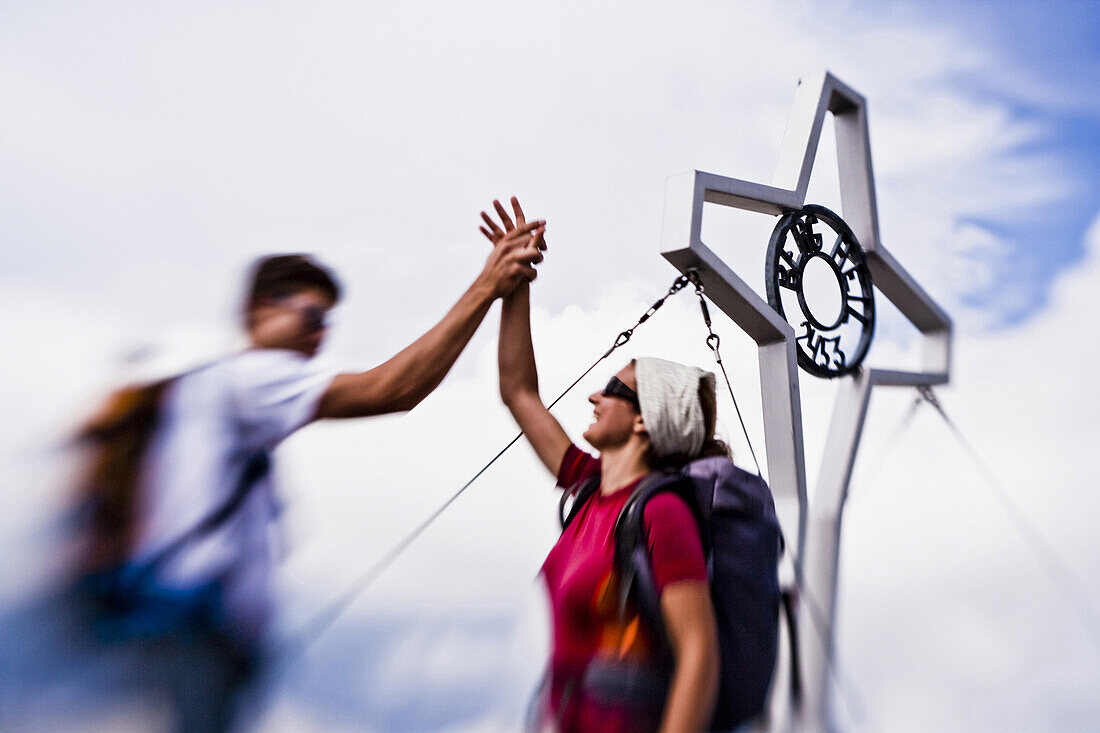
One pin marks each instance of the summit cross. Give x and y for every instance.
(816, 527)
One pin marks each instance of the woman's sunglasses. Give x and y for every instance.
(615, 388)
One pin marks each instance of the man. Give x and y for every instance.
(217, 425)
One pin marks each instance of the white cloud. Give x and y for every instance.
(149, 152)
(178, 142)
(936, 577)
(941, 600)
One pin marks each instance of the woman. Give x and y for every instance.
(649, 414)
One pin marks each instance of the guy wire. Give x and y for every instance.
(300, 640)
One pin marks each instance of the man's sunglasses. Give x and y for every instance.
(315, 317)
(615, 388)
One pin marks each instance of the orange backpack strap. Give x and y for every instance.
(118, 435)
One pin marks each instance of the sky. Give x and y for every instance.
(150, 151)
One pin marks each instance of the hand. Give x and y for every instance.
(516, 248)
(494, 233)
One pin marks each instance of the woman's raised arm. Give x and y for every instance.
(519, 381)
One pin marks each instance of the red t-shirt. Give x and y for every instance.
(582, 582)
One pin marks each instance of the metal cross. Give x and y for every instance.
(816, 527)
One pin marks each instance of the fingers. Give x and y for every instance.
(527, 228)
(523, 237)
(529, 256)
(511, 228)
(525, 258)
(496, 232)
(522, 276)
(504, 218)
(534, 245)
(520, 218)
(518, 247)
(530, 253)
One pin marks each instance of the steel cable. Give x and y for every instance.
(844, 684)
(1058, 570)
(874, 466)
(849, 692)
(712, 343)
(300, 640)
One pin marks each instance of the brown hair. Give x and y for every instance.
(277, 276)
(712, 445)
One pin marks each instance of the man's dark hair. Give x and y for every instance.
(277, 276)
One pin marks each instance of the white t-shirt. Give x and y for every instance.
(212, 421)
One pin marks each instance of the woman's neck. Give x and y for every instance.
(621, 465)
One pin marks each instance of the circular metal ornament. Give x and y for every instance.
(817, 278)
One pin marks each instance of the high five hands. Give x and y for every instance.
(518, 247)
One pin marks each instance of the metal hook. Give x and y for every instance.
(677, 285)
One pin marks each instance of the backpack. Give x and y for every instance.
(742, 543)
(117, 436)
(122, 596)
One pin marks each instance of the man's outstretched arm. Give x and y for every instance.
(408, 377)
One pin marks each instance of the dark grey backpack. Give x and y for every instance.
(742, 543)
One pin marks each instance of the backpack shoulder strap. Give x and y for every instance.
(255, 469)
(632, 551)
(256, 466)
(630, 525)
(581, 492)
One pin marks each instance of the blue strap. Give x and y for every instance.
(258, 466)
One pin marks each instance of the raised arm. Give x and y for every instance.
(404, 380)
(519, 380)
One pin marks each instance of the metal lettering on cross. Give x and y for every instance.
(830, 341)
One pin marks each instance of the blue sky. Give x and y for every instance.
(1059, 43)
(149, 152)
(1048, 55)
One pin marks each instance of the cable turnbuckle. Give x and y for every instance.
(652, 309)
